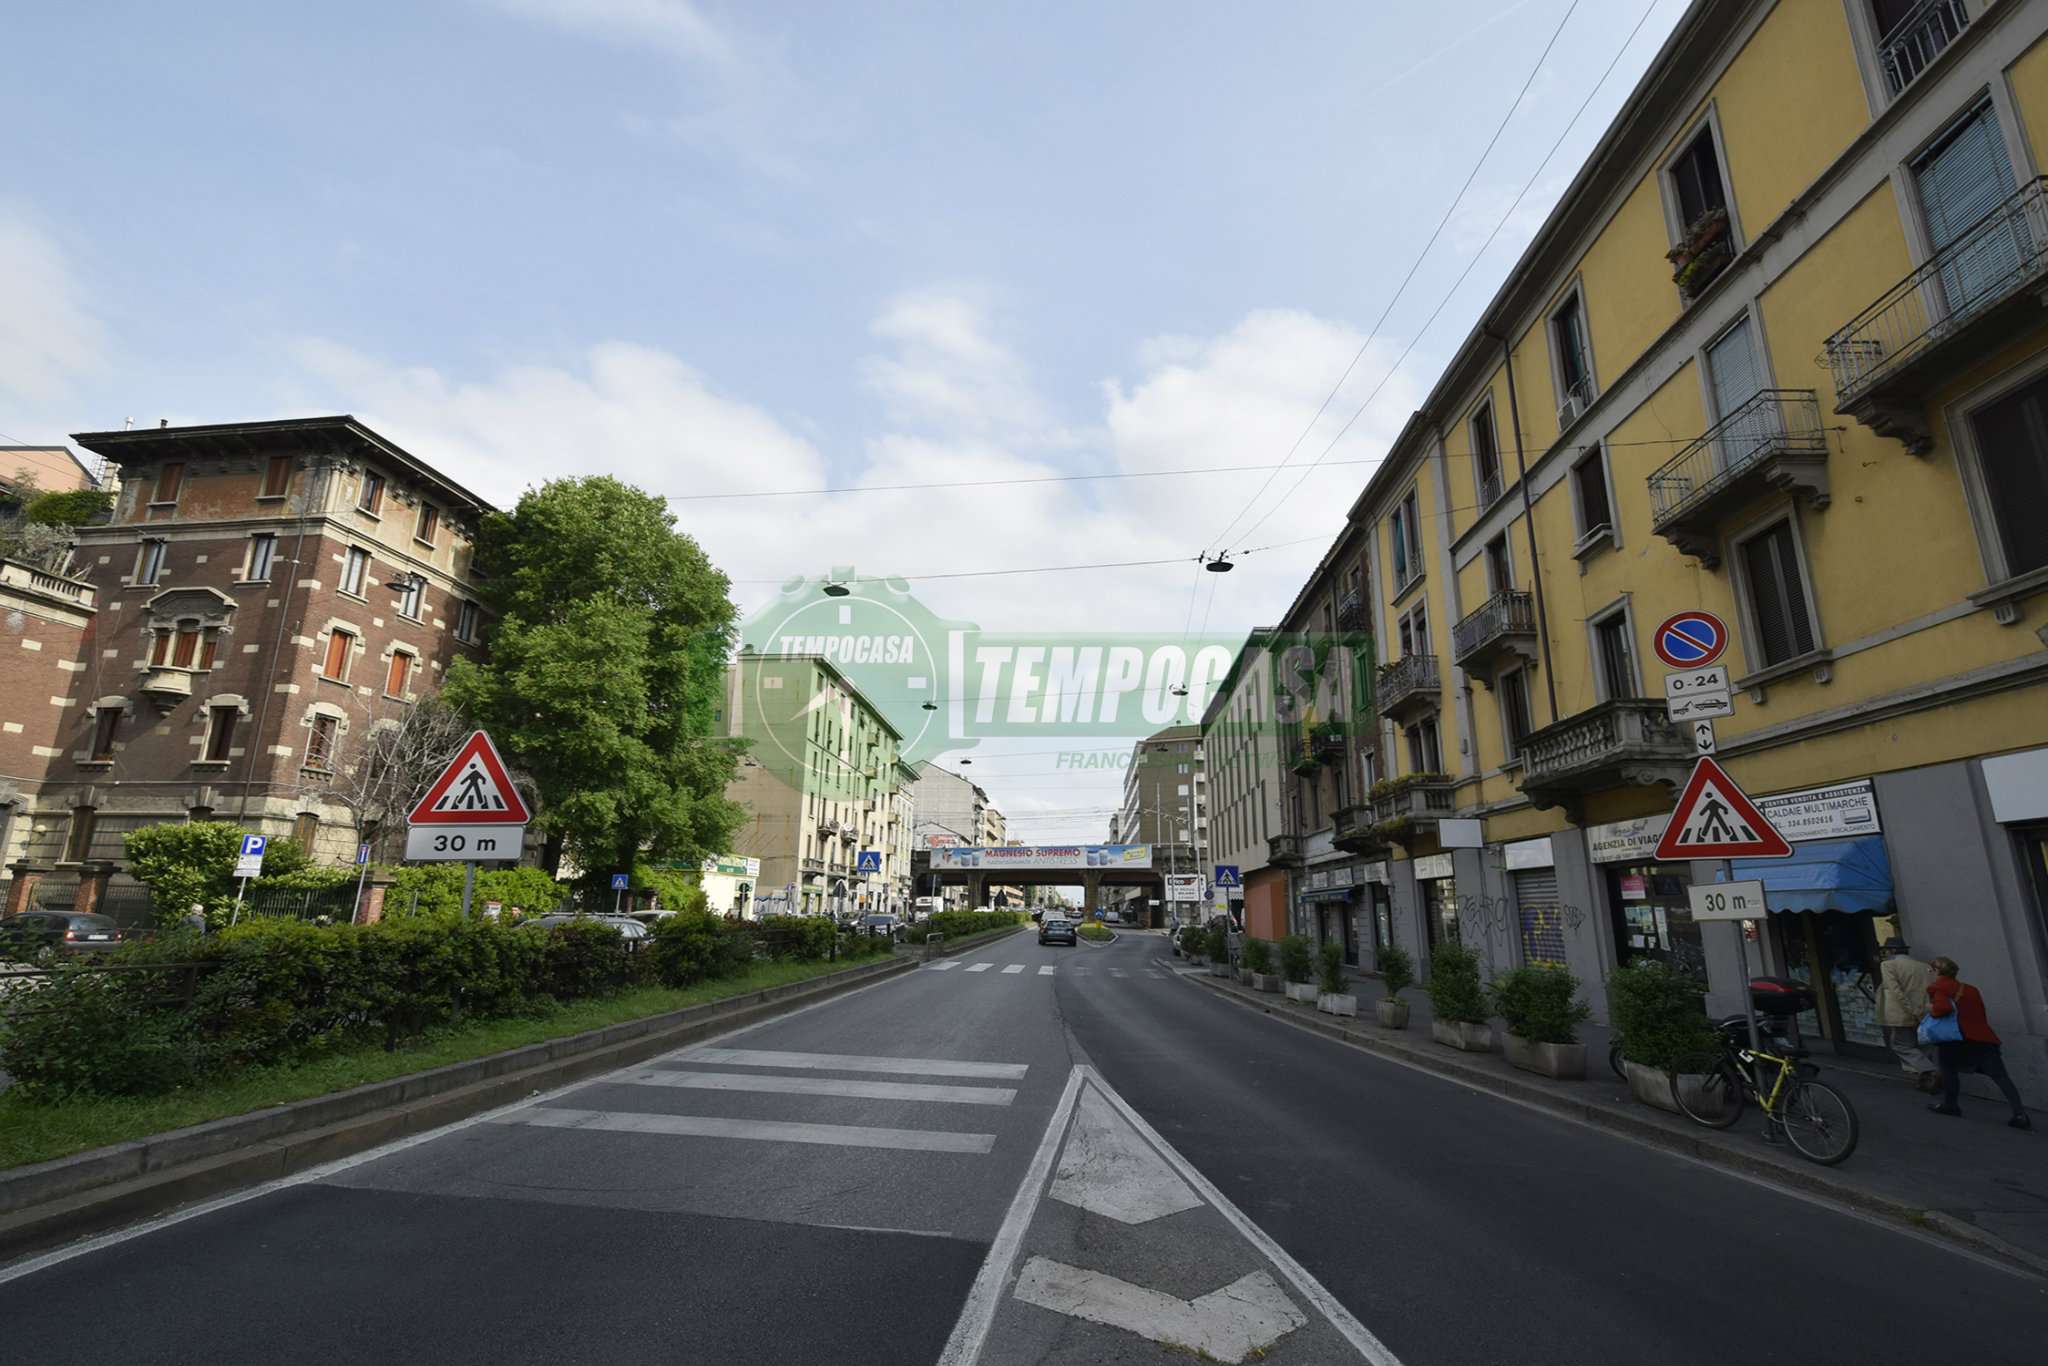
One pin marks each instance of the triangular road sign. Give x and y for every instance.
(473, 790)
(1715, 820)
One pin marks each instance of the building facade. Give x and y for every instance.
(1241, 749)
(1165, 805)
(1777, 354)
(949, 811)
(265, 596)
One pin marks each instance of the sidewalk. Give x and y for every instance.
(1972, 1178)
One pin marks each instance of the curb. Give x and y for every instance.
(47, 1203)
(1696, 1147)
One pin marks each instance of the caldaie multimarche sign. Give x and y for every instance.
(1715, 819)
(471, 812)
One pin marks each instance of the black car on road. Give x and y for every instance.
(1057, 930)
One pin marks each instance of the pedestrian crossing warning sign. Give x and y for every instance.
(473, 790)
(1714, 819)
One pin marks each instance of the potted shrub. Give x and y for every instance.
(1397, 974)
(1216, 943)
(1543, 1013)
(1191, 943)
(1458, 1001)
(1297, 965)
(1656, 1011)
(1258, 963)
(1333, 999)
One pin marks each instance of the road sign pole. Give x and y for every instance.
(468, 885)
(241, 886)
(1748, 1002)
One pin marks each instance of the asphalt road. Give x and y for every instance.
(1150, 1165)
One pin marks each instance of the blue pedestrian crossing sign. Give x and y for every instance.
(870, 861)
(620, 882)
(1227, 875)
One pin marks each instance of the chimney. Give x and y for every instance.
(163, 422)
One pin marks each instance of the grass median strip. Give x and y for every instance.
(32, 1132)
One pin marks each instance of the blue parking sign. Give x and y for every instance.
(253, 845)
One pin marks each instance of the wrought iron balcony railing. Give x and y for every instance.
(1504, 625)
(1774, 438)
(1918, 39)
(1350, 610)
(1621, 742)
(1411, 683)
(2000, 258)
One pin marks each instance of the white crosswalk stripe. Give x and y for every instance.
(1046, 970)
(1118, 972)
(769, 1130)
(852, 1062)
(980, 967)
(1014, 967)
(823, 1086)
(943, 967)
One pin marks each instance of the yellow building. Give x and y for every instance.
(1779, 354)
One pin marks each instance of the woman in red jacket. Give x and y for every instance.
(1978, 1050)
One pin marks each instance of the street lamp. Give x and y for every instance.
(836, 589)
(1219, 565)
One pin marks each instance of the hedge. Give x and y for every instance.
(953, 924)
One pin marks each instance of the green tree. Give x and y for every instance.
(186, 865)
(607, 663)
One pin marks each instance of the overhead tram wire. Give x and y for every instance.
(1059, 568)
(1459, 283)
(1406, 279)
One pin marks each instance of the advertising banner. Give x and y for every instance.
(1040, 857)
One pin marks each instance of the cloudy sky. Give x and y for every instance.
(719, 248)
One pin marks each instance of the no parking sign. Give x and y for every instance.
(1690, 640)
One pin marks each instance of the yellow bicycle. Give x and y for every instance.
(1816, 1119)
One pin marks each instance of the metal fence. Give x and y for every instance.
(336, 904)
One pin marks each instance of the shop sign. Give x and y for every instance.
(1824, 813)
(1433, 866)
(1344, 875)
(1635, 887)
(1528, 854)
(1376, 872)
(1318, 879)
(1626, 841)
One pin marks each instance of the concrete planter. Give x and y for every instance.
(1392, 1014)
(1466, 1038)
(1222, 970)
(1263, 981)
(1302, 991)
(1652, 1085)
(1564, 1061)
(1332, 1003)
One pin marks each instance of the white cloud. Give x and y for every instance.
(47, 339)
(673, 26)
(944, 372)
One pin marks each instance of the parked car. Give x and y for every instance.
(882, 926)
(1057, 929)
(635, 934)
(31, 932)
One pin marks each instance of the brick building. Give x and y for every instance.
(265, 596)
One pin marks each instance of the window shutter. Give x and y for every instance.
(1963, 179)
(1777, 595)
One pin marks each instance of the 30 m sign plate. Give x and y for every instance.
(480, 842)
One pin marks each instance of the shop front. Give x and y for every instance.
(1330, 900)
(1649, 903)
(1379, 910)
(1539, 909)
(1437, 886)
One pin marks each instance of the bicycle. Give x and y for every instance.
(1816, 1119)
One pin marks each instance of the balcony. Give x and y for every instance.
(1326, 741)
(167, 686)
(1406, 807)
(1975, 294)
(1625, 742)
(1498, 635)
(1917, 39)
(1351, 611)
(1409, 687)
(1354, 830)
(1774, 441)
(1284, 851)
(1702, 254)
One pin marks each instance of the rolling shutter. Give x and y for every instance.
(1542, 919)
(1965, 177)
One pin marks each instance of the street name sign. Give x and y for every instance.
(1728, 900)
(1698, 694)
(1714, 819)
(1690, 640)
(471, 811)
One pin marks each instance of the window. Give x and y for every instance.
(320, 742)
(1911, 33)
(207, 641)
(409, 589)
(1486, 454)
(1500, 575)
(1777, 595)
(104, 727)
(1696, 179)
(306, 829)
(1574, 360)
(2010, 435)
(149, 565)
(1514, 710)
(78, 839)
(340, 645)
(187, 648)
(1961, 180)
(1589, 484)
(262, 551)
(161, 650)
(428, 524)
(370, 496)
(1614, 657)
(1406, 531)
(220, 733)
(170, 477)
(1414, 632)
(353, 566)
(395, 677)
(277, 476)
(1423, 754)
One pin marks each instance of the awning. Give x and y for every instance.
(1326, 894)
(1824, 875)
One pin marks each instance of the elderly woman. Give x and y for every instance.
(1977, 1050)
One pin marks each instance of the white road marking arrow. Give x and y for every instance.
(1229, 1324)
(1107, 1169)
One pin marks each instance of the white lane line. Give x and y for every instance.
(981, 967)
(764, 1130)
(1106, 1169)
(1326, 1304)
(946, 966)
(1014, 967)
(978, 1314)
(821, 1086)
(852, 1062)
(1046, 970)
(1228, 1324)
